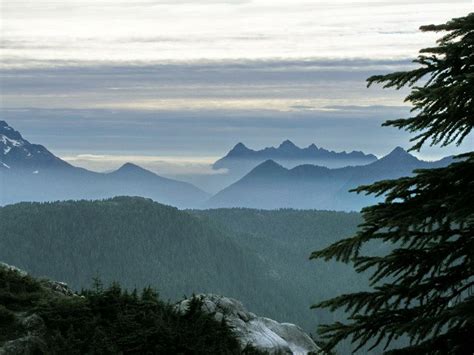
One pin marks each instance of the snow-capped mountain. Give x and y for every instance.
(30, 172)
(19, 154)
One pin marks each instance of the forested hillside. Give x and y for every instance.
(284, 239)
(258, 257)
(138, 243)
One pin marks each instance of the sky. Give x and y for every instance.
(174, 84)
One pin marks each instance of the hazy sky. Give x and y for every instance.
(103, 81)
(149, 30)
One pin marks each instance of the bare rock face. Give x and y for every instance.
(261, 333)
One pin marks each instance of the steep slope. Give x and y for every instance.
(29, 172)
(19, 154)
(310, 186)
(285, 239)
(240, 160)
(132, 180)
(139, 243)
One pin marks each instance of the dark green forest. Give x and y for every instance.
(104, 321)
(258, 257)
(282, 239)
(136, 242)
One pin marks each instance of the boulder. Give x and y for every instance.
(261, 333)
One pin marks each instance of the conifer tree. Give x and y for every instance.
(423, 287)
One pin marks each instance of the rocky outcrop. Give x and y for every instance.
(56, 287)
(252, 332)
(32, 342)
(13, 268)
(261, 333)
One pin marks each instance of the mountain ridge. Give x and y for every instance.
(272, 186)
(33, 173)
(240, 160)
(289, 149)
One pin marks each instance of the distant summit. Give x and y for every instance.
(17, 153)
(30, 172)
(240, 160)
(272, 186)
(239, 150)
(129, 169)
(288, 146)
(267, 169)
(399, 153)
(398, 157)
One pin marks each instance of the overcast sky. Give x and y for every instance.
(103, 81)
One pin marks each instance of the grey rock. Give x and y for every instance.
(261, 333)
(218, 316)
(13, 268)
(59, 288)
(34, 325)
(27, 345)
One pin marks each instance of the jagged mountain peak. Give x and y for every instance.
(399, 154)
(241, 160)
(287, 144)
(238, 150)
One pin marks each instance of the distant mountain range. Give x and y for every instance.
(271, 186)
(240, 160)
(29, 172)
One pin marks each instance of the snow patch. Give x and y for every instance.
(10, 143)
(36, 172)
(4, 165)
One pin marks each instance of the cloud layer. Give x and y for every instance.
(228, 85)
(140, 30)
(160, 78)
